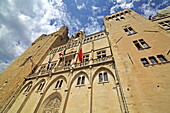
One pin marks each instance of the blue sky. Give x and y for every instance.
(22, 21)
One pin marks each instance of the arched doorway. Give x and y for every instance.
(52, 106)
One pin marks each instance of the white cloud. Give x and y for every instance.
(96, 10)
(93, 26)
(121, 4)
(22, 21)
(80, 7)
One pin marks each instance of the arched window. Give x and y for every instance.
(85, 41)
(91, 38)
(95, 37)
(122, 18)
(117, 20)
(102, 35)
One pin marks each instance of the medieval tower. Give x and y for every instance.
(122, 69)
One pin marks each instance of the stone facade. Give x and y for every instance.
(125, 69)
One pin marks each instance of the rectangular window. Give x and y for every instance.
(165, 24)
(153, 60)
(86, 58)
(68, 63)
(129, 31)
(101, 55)
(161, 58)
(141, 44)
(144, 61)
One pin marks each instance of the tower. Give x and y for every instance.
(141, 51)
(121, 69)
(13, 77)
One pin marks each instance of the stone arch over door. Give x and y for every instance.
(105, 98)
(78, 95)
(51, 104)
(21, 97)
(50, 89)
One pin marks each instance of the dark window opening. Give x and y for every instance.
(61, 82)
(144, 44)
(137, 45)
(100, 77)
(78, 81)
(144, 61)
(105, 77)
(161, 58)
(153, 60)
(57, 84)
(83, 80)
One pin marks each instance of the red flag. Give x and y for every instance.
(61, 54)
(80, 55)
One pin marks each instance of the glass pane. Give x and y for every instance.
(78, 81)
(57, 84)
(144, 61)
(131, 30)
(138, 46)
(162, 58)
(127, 32)
(145, 45)
(83, 80)
(153, 60)
(105, 77)
(61, 82)
(100, 77)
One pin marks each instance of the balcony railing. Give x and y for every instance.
(77, 65)
(98, 60)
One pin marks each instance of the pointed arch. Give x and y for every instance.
(23, 88)
(55, 95)
(39, 106)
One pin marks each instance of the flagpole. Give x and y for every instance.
(79, 47)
